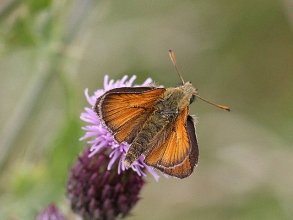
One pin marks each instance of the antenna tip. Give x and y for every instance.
(225, 107)
(171, 53)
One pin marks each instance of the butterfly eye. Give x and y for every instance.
(192, 99)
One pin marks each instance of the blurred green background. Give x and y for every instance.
(237, 53)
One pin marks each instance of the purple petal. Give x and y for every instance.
(131, 80)
(147, 82)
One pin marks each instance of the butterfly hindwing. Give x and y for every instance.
(185, 169)
(170, 147)
(124, 110)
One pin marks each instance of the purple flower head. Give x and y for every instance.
(97, 193)
(99, 136)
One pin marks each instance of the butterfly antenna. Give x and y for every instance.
(172, 56)
(219, 106)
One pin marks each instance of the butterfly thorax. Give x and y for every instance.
(179, 96)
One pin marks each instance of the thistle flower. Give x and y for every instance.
(97, 193)
(100, 138)
(51, 212)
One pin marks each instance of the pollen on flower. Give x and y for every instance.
(99, 138)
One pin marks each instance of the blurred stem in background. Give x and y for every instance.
(50, 28)
(53, 57)
(7, 9)
(22, 113)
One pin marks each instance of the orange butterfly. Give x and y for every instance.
(156, 123)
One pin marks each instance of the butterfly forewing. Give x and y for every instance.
(124, 110)
(171, 146)
(185, 169)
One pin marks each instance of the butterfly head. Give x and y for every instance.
(186, 86)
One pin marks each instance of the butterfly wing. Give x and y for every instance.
(124, 110)
(185, 169)
(172, 146)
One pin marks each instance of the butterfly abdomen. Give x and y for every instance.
(140, 144)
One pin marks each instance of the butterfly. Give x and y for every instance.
(155, 122)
